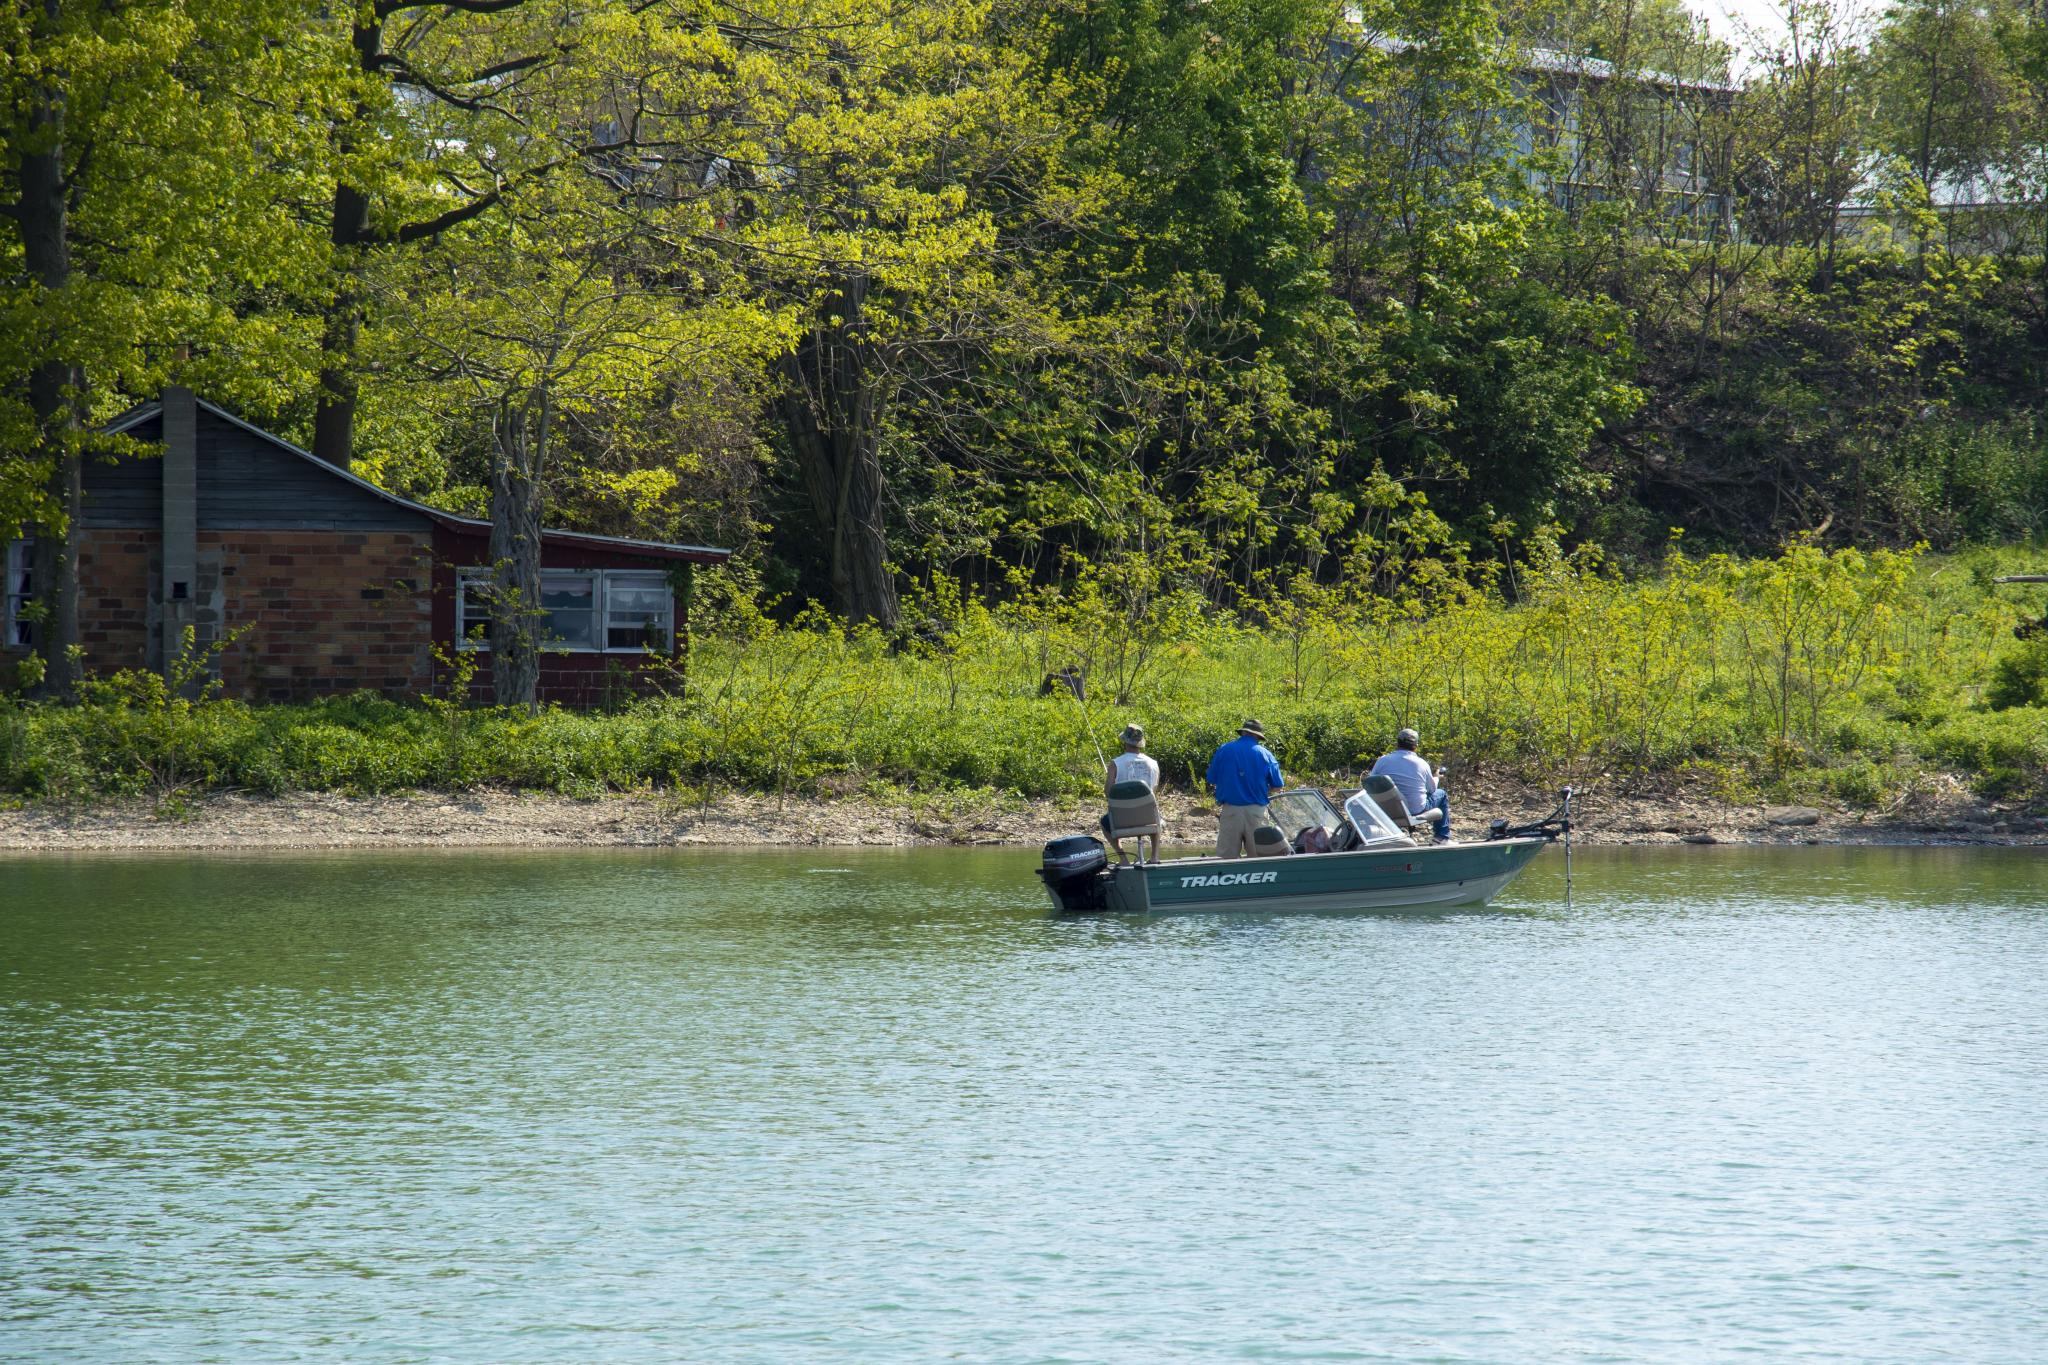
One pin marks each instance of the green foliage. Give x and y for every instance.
(2019, 677)
(1863, 783)
(181, 190)
(1951, 100)
(1810, 669)
(1120, 334)
(2006, 752)
(1508, 381)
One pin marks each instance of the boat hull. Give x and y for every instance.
(1371, 879)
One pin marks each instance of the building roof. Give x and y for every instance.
(1553, 62)
(1991, 187)
(1550, 60)
(652, 549)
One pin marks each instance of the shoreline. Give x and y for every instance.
(501, 819)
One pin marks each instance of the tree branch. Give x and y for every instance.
(462, 213)
(440, 223)
(386, 8)
(405, 73)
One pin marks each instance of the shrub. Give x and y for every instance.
(2019, 677)
(1862, 783)
(2006, 751)
(1754, 673)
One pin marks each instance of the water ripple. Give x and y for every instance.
(651, 1107)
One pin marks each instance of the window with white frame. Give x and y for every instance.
(639, 611)
(473, 608)
(568, 605)
(21, 593)
(583, 611)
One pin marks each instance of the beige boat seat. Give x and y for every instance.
(1387, 797)
(1133, 810)
(1268, 841)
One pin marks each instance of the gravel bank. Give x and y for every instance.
(1947, 815)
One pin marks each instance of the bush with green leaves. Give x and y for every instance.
(2019, 677)
(1840, 670)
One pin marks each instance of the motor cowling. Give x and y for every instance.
(1072, 870)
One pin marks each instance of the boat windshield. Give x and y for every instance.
(1294, 811)
(1376, 829)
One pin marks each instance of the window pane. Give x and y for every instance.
(569, 602)
(19, 592)
(639, 612)
(639, 599)
(559, 592)
(476, 606)
(568, 630)
(646, 635)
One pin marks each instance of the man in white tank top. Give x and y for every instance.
(1132, 765)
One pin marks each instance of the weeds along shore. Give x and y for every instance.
(1848, 676)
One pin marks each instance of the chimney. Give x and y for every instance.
(180, 520)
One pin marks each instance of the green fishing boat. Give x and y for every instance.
(1371, 865)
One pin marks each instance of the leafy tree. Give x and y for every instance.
(581, 292)
(1799, 145)
(425, 134)
(146, 193)
(916, 175)
(1948, 95)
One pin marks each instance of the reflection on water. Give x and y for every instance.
(822, 1105)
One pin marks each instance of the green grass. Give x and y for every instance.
(1843, 674)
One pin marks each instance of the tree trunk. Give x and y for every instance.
(515, 634)
(334, 411)
(832, 408)
(54, 385)
(55, 567)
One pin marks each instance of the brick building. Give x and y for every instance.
(323, 582)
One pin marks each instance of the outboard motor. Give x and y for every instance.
(1072, 869)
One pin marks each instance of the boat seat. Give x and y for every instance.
(1388, 798)
(1133, 810)
(1269, 841)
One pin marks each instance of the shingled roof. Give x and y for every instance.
(467, 526)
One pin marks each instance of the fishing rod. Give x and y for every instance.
(1087, 722)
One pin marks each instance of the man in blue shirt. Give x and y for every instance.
(1416, 781)
(1243, 774)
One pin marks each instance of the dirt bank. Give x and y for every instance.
(1946, 814)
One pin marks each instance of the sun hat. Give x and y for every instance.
(1134, 736)
(1252, 728)
(1408, 737)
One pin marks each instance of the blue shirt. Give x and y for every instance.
(1243, 772)
(1411, 775)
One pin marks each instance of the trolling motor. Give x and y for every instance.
(1552, 826)
(1557, 824)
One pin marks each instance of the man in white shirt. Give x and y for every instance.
(1420, 786)
(1132, 765)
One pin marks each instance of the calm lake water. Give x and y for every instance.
(834, 1106)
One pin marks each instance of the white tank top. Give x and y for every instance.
(1136, 768)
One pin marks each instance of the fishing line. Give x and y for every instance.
(1087, 724)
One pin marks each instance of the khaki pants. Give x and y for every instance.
(1234, 826)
